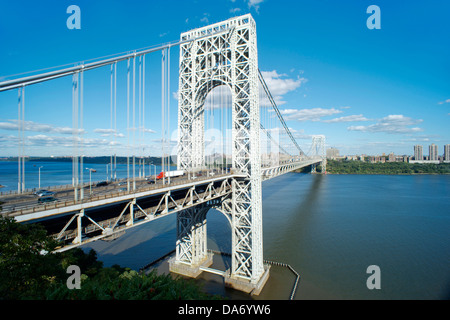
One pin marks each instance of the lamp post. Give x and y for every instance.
(39, 170)
(107, 171)
(90, 180)
(151, 164)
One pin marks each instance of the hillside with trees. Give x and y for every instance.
(30, 269)
(360, 167)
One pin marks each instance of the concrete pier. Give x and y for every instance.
(192, 271)
(246, 285)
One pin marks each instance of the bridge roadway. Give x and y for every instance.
(110, 210)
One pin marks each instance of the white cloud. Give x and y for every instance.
(254, 4)
(109, 132)
(104, 131)
(445, 101)
(205, 18)
(300, 134)
(352, 118)
(42, 140)
(393, 124)
(279, 85)
(422, 138)
(37, 127)
(313, 114)
(235, 10)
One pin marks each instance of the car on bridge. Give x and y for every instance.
(47, 199)
(102, 184)
(39, 191)
(44, 193)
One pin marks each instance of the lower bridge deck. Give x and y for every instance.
(107, 217)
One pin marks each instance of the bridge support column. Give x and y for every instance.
(79, 236)
(225, 58)
(191, 246)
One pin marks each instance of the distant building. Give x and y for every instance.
(447, 152)
(391, 157)
(332, 153)
(352, 158)
(418, 153)
(433, 152)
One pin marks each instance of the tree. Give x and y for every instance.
(29, 269)
(27, 264)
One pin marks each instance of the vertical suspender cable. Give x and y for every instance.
(20, 127)
(162, 113)
(19, 157)
(128, 124)
(143, 106)
(222, 127)
(75, 163)
(23, 139)
(113, 133)
(168, 108)
(134, 123)
(143, 102)
(140, 117)
(115, 118)
(80, 132)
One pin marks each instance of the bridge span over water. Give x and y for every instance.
(261, 146)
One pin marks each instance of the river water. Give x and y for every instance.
(330, 229)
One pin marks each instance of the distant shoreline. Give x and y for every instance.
(390, 174)
(386, 168)
(355, 167)
(99, 159)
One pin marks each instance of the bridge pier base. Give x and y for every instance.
(247, 286)
(192, 271)
(230, 281)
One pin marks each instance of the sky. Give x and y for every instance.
(369, 91)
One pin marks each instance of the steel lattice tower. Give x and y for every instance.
(318, 149)
(223, 54)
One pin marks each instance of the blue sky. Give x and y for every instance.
(368, 91)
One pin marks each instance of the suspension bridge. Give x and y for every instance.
(231, 136)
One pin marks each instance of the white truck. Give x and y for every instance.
(170, 174)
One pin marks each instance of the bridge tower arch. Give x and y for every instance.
(318, 149)
(224, 53)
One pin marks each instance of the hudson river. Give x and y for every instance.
(329, 229)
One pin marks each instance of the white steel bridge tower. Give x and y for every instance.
(222, 54)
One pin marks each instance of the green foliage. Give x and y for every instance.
(111, 284)
(29, 270)
(27, 265)
(360, 167)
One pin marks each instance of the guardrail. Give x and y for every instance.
(60, 204)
